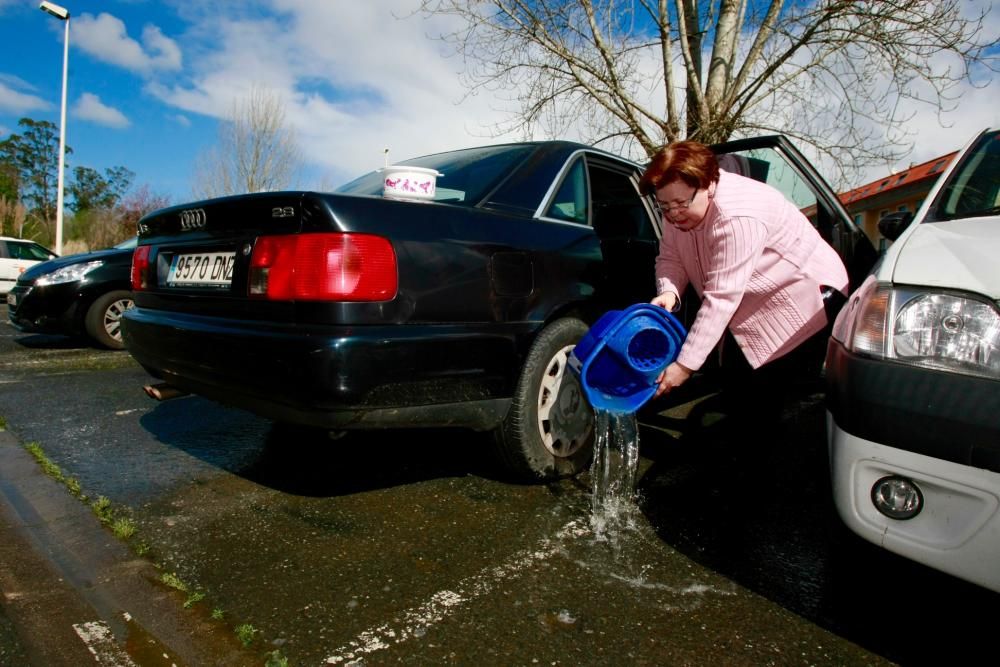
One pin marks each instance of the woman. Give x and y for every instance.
(761, 269)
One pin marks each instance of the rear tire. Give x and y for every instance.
(104, 318)
(548, 432)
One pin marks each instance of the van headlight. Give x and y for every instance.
(68, 274)
(939, 329)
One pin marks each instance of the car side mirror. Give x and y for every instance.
(893, 224)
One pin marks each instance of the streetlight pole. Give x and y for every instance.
(62, 14)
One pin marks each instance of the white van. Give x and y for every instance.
(913, 380)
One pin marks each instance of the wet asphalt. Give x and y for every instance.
(407, 547)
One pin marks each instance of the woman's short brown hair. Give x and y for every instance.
(689, 161)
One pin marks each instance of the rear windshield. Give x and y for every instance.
(468, 174)
(973, 188)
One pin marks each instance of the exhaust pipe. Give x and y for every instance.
(163, 391)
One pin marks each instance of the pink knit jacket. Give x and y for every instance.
(758, 264)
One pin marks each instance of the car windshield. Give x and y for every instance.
(973, 188)
(467, 174)
(127, 243)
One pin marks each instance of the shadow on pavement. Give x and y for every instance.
(308, 462)
(311, 462)
(53, 342)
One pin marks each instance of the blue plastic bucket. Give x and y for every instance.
(624, 352)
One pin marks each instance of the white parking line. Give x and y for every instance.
(416, 620)
(100, 641)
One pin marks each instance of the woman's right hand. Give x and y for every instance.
(667, 301)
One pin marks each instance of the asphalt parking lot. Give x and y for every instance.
(404, 547)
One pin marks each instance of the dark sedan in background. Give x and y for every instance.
(365, 308)
(81, 295)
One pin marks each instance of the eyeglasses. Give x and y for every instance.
(670, 207)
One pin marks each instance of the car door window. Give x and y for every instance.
(570, 202)
(618, 209)
(624, 223)
(769, 166)
(27, 251)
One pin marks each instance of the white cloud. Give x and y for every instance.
(972, 107)
(89, 107)
(13, 100)
(181, 119)
(354, 79)
(106, 38)
(166, 55)
(936, 136)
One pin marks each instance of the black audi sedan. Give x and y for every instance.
(81, 295)
(448, 290)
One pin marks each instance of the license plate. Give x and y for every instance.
(11, 300)
(204, 269)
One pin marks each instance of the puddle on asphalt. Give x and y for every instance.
(618, 545)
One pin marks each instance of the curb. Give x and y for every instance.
(74, 593)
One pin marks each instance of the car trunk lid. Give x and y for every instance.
(197, 257)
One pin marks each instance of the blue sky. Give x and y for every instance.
(149, 80)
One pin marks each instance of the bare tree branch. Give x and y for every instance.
(256, 151)
(840, 76)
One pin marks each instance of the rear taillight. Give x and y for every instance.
(140, 268)
(327, 266)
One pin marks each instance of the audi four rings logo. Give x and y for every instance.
(193, 218)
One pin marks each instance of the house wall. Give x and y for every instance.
(902, 191)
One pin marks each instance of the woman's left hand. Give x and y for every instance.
(672, 377)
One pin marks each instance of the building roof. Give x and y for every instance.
(925, 171)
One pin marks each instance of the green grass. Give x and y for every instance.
(102, 508)
(48, 465)
(193, 599)
(275, 659)
(245, 633)
(173, 581)
(123, 528)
